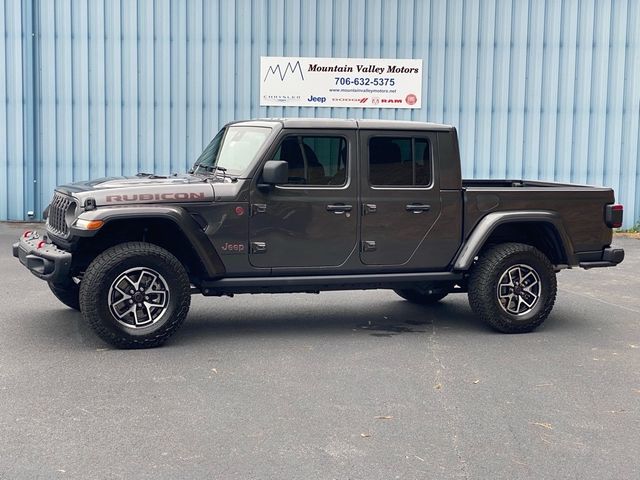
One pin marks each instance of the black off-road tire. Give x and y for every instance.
(414, 295)
(68, 293)
(484, 279)
(113, 263)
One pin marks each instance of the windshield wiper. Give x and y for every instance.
(213, 171)
(223, 170)
(149, 175)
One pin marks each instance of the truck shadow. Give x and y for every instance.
(233, 318)
(382, 319)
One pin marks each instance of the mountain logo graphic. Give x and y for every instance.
(277, 70)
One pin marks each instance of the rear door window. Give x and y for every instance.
(399, 162)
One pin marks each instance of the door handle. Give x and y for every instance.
(339, 208)
(417, 207)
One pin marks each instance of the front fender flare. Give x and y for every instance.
(203, 248)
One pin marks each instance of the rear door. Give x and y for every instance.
(400, 195)
(312, 220)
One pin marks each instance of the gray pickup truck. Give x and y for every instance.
(306, 205)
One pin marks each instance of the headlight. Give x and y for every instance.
(82, 224)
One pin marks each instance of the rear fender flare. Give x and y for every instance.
(490, 222)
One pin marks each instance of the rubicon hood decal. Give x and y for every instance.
(123, 191)
(168, 196)
(201, 192)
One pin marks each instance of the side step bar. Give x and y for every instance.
(316, 283)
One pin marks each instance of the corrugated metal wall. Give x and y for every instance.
(539, 89)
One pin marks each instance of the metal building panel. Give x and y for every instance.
(468, 89)
(516, 87)
(98, 69)
(584, 65)
(114, 88)
(4, 137)
(630, 157)
(550, 81)
(531, 148)
(12, 134)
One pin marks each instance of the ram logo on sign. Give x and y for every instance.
(341, 82)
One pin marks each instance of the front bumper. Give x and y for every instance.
(609, 257)
(47, 262)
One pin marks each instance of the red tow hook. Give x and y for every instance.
(27, 233)
(41, 244)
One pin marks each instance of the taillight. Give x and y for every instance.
(613, 215)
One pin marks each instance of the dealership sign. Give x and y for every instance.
(340, 82)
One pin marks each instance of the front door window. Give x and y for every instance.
(312, 160)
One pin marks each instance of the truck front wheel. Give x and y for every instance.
(135, 295)
(512, 287)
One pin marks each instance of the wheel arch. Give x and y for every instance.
(541, 229)
(171, 228)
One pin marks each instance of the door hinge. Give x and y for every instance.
(368, 245)
(369, 208)
(257, 208)
(258, 247)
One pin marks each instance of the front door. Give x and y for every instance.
(312, 220)
(400, 196)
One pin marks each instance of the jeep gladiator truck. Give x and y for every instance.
(306, 205)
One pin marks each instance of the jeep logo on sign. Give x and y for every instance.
(317, 99)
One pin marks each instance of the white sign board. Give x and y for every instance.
(340, 82)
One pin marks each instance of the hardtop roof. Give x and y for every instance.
(339, 123)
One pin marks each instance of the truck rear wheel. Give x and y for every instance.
(415, 295)
(67, 293)
(135, 295)
(512, 287)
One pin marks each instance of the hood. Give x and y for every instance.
(143, 188)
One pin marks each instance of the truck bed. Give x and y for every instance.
(582, 211)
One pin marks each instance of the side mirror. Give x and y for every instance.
(275, 172)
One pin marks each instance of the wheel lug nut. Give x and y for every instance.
(130, 301)
(132, 292)
(146, 297)
(139, 304)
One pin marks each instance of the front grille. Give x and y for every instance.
(56, 221)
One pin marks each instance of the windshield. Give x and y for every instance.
(232, 149)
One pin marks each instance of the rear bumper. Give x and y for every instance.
(48, 262)
(610, 257)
